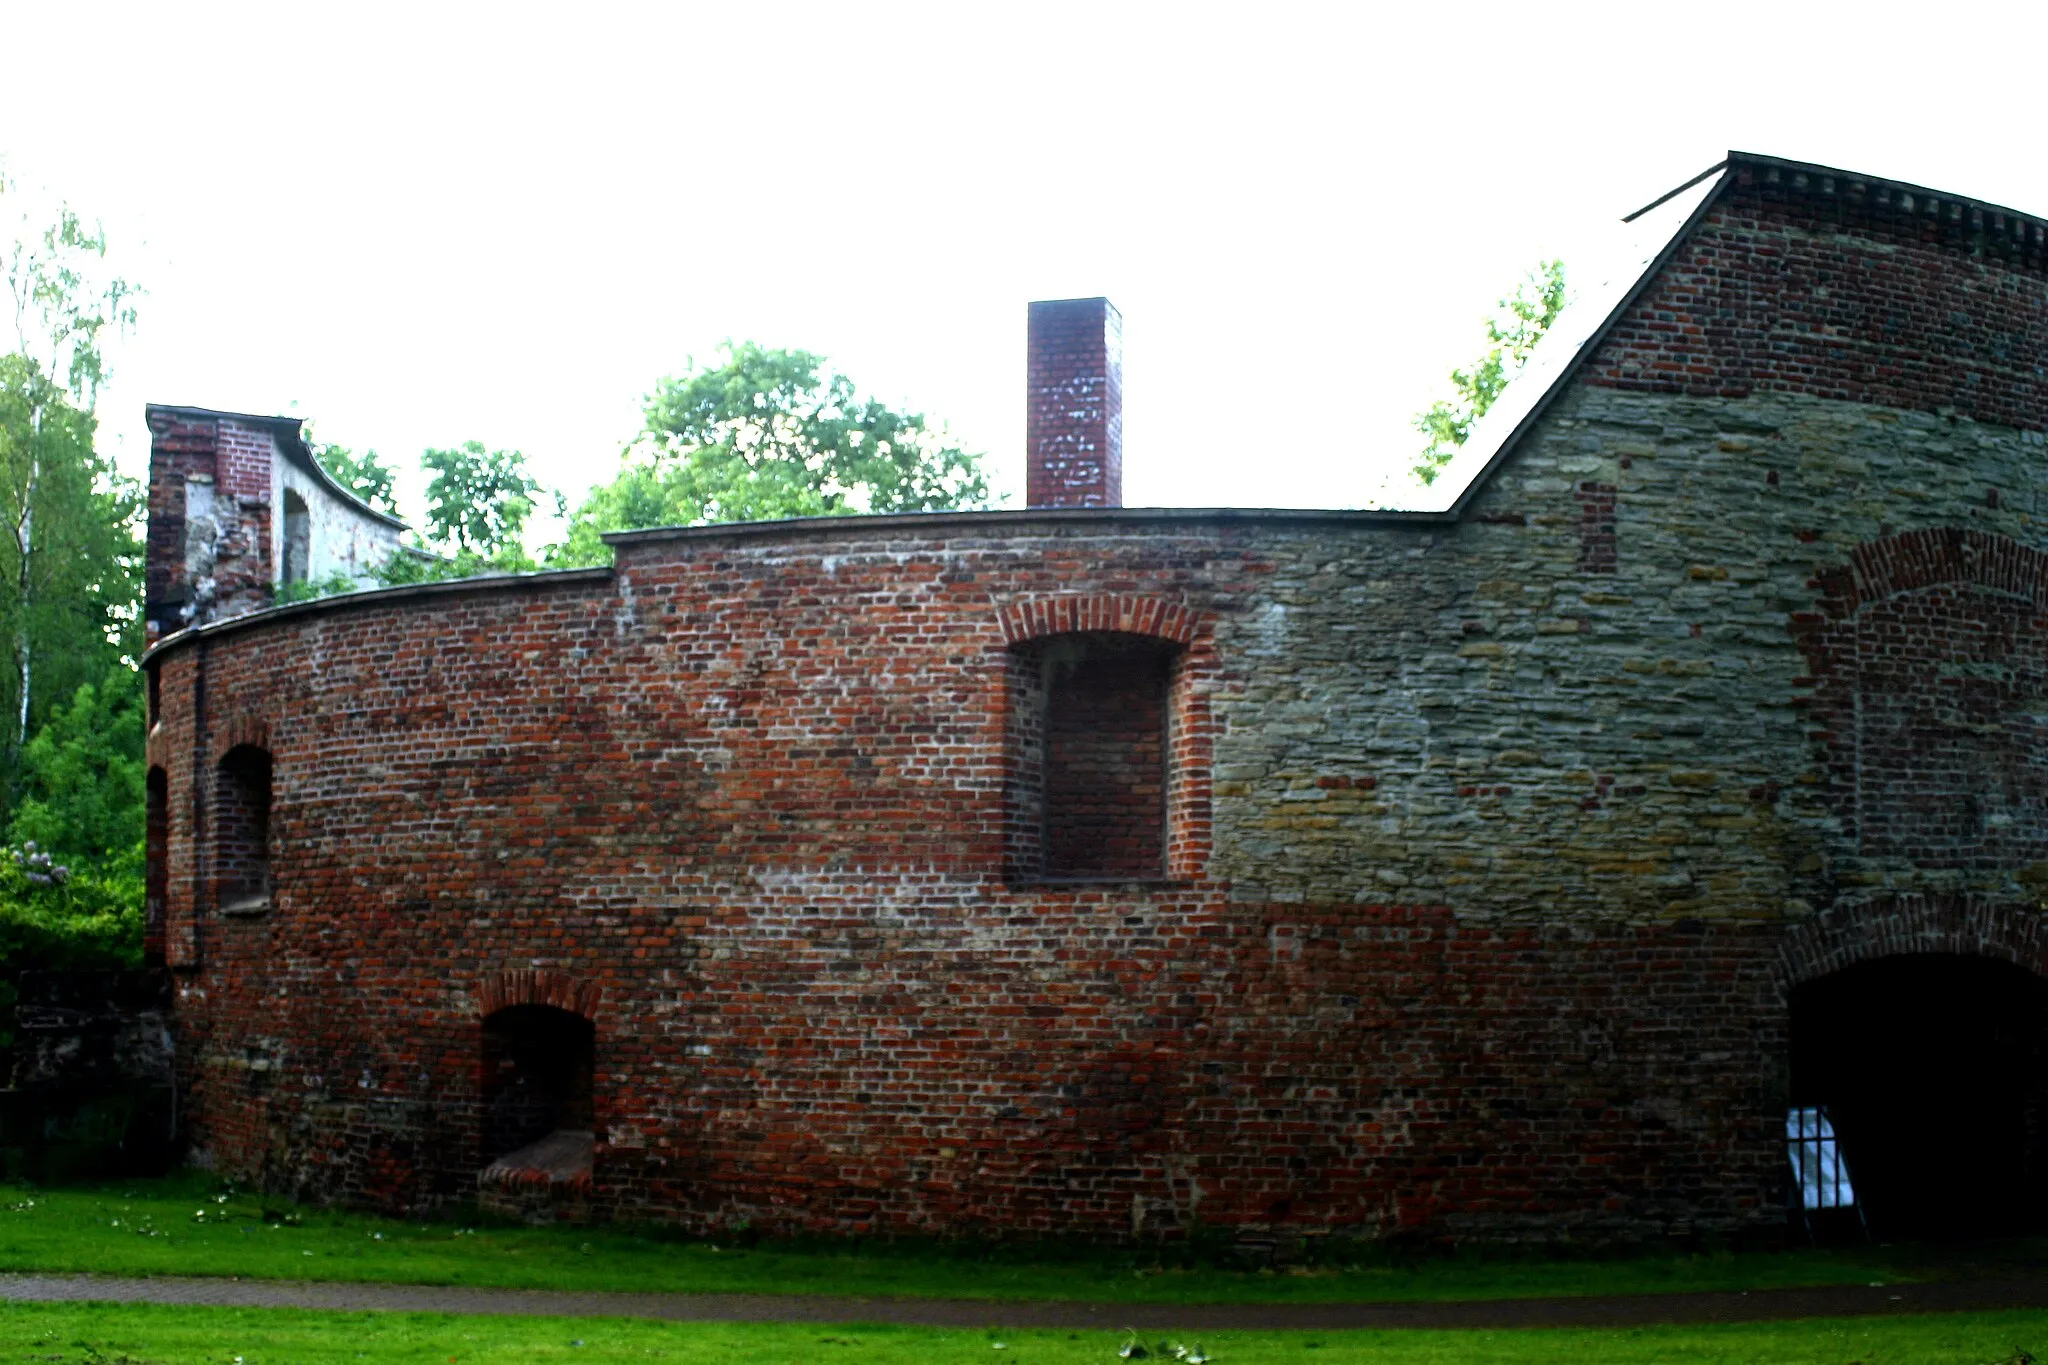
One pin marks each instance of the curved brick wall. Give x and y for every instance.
(1492, 847)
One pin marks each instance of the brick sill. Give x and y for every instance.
(1135, 883)
(248, 907)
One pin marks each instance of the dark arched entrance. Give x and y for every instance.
(538, 1063)
(1931, 1067)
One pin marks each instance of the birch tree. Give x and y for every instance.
(63, 301)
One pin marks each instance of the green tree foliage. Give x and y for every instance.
(364, 475)
(81, 781)
(478, 500)
(771, 433)
(1512, 333)
(70, 607)
(71, 566)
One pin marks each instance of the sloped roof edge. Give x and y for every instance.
(293, 442)
(1567, 372)
(1798, 177)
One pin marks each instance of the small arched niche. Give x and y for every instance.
(241, 828)
(539, 1066)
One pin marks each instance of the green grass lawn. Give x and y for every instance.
(188, 1225)
(93, 1334)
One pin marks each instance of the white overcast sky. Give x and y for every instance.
(422, 224)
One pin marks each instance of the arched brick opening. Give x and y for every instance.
(1921, 1025)
(1107, 733)
(242, 830)
(539, 1074)
(536, 1091)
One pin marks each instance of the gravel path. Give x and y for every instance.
(1634, 1310)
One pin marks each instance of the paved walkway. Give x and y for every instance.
(1633, 1310)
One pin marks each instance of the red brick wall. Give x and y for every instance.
(1784, 289)
(243, 457)
(1073, 411)
(744, 809)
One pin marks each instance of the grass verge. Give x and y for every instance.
(100, 1334)
(190, 1225)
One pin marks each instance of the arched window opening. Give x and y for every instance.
(1090, 739)
(298, 539)
(1931, 1066)
(156, 862)
(241, 841)
(539, 1063)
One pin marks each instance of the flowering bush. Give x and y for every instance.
(52, 916)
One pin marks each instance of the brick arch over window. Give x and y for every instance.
(1927, 659)
(1109, 632)
(538, 986)
(1896, 926)
(238, 730)
(1922, 559)
(1122, 613)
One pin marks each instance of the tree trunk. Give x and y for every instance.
(24, 547)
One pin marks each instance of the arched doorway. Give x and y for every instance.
(1931, 1066)
(538, 1066)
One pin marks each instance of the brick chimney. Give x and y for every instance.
(1074, 405)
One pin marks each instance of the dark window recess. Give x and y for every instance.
(241, 823)
(1934, 1070)
(154, 695)
(156, 862)
(1088, 772)
(539, 1063)
(298, 539)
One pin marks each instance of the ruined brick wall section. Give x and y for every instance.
(245, 456)
(1840, 297)
(1073, 411)
(209, 538)
(179, 449)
